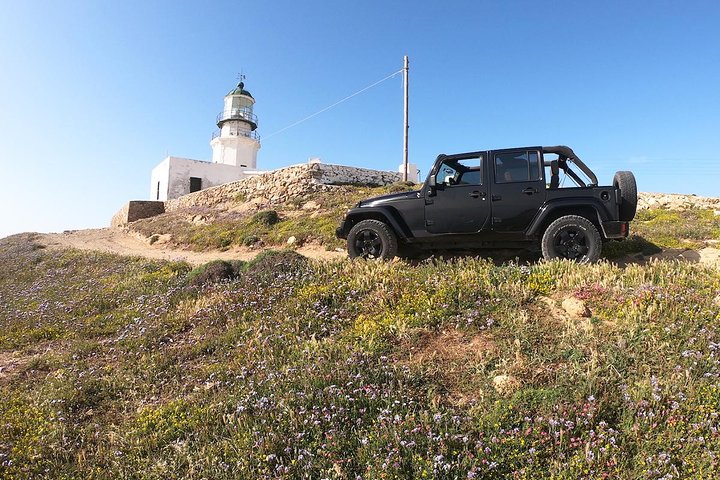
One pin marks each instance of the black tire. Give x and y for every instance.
(572, 237)
(625, 181)
(372, 239)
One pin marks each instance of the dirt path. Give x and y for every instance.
(122, 242)
(117, 240)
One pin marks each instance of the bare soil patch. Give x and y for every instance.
(122, 242)
(454, 358)
(709, 256)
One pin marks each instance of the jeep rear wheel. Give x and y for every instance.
(625, 181)
(372, 239)
(572, 237)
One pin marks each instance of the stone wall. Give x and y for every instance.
(135, 210)
(279, 186)
(342, 175)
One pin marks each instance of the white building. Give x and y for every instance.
(413, 173)
(235, 148)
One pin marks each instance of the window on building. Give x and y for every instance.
(195, 184)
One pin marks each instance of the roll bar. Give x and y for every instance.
(566, 153)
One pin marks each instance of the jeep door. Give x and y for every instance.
(518, 188)
(458, 203)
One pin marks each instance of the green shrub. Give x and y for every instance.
(401, 187)
(211, 272)
(250, 240)
(238, 266)
(267, 218)
(277, 264)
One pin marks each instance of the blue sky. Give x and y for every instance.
(94, 94)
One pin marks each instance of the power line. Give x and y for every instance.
(333, 105)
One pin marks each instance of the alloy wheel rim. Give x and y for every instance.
(571, 243)
(368, 244)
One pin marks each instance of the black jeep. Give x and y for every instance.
(510, 198)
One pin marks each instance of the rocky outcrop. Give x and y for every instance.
(575, 307)
(281, 185)
(675, 201)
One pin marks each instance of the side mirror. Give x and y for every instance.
(432, 181)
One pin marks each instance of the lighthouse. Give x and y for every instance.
(235, 145)
(236, 142)
(234, 153)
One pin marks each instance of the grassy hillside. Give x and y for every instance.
(115, 367)
(313, 219)
(310, 219)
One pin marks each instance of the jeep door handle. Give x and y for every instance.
(477, 194)
(530, 191)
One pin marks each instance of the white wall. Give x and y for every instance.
(159, 180)
(174, 174)
(413, 174)
(236, 150)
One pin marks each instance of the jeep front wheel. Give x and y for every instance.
(572, 237)
(372, 239)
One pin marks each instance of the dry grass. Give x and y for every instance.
(452, 358)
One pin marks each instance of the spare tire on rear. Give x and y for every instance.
(625, 181)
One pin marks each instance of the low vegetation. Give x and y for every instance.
(263, 227)
(654, 230)
(678, 229)
(310, 219)
(116, 367)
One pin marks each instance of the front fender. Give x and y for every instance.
(384, 214)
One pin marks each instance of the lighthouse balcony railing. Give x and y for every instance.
(237, 132)
(237, 114)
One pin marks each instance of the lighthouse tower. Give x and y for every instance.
(234, 146)
(236, 143)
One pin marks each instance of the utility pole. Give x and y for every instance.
(406, 126)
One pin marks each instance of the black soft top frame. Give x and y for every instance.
(565, 153)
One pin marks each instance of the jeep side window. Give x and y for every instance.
(463, 171)
(534, 164)
(517, 167)
(445, 174)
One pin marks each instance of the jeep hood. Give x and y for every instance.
(386, 199)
